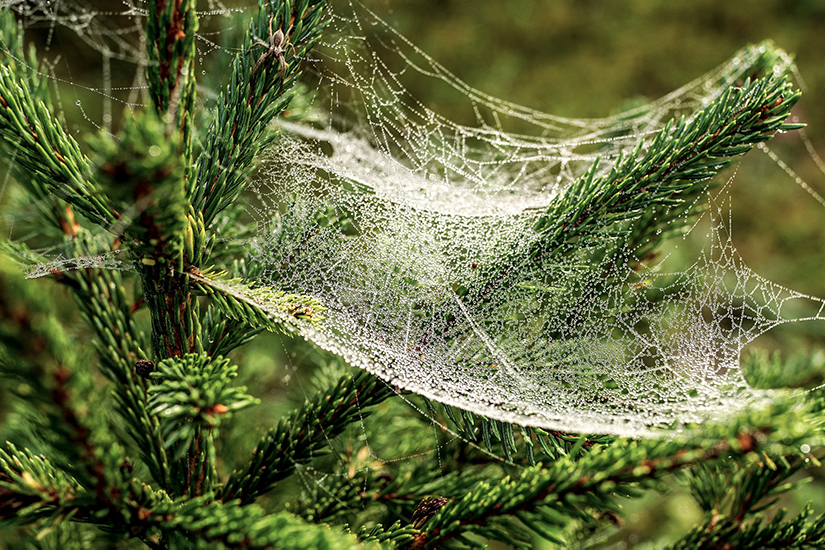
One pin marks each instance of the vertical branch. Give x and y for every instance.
(262, 76)
(171, 32)
(145, 171)
(47, 161)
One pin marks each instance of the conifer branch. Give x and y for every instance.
(31, 488)
(223, 329)
(544, 500)
(515, 442)
(779, 532)
(171, 32)
(731, 497)
(300, 436)
(47, 159)
(233, 525)
(664, 172)
(101, 298)
(684, 153)
(225, 334)
(147, 168)
(33, 491)
(642, 235)
(257, 93)
(102, 302)
(192, 396)
(35, 350)
(144, 169)
(257, 307)
(396, 535)
(58, 213)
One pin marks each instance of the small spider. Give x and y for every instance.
(277, 47)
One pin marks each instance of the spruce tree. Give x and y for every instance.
(121, 436)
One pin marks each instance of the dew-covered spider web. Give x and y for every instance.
(413, 231)
(415, 234)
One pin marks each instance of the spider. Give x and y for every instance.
(278, 43)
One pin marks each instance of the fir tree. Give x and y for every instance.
(148, 454)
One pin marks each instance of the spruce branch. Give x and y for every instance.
(102, 301)
(515, 442)
(779, 532)
(257, 93)
(34, 491)
(31, 488)
(192, 396)
(544, 499)
(26, 67)
(35, 350)
(642, 235)
(664, 172)
(199, 523)
(732, 496)
(225, 334)
(143, 168)
(257, 307)
(224, 330)
(99, 294)
(47, 159)
(171, 32)
(396, 535)
(341, 497)
(146, 169)
(680, 155)
(103, 304)
(301, 436)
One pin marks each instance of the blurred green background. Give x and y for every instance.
(576, 58)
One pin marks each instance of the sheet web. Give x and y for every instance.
(401, 222)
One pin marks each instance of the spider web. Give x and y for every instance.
(382, 208)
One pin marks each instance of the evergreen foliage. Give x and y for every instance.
(143, 454)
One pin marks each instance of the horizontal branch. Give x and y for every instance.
(260, 307)
(301, 435)
(545, 499)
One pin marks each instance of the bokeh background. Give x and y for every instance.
(574, 58)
